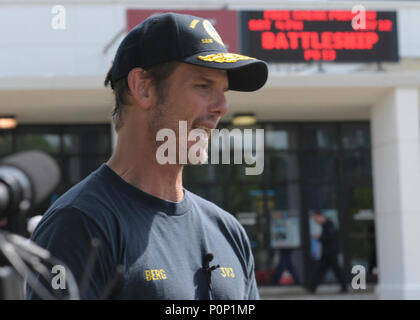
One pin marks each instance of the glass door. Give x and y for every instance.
(360, 238)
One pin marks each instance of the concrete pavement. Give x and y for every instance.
(324, 292)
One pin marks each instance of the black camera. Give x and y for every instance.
(26, 179)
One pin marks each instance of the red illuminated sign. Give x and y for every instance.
(318, 35)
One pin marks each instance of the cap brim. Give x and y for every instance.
(244, 73)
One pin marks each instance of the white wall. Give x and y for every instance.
(396, 177)
(408, 32)
(30, 47)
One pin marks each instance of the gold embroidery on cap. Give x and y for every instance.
(212, 32)
(208, 40)
(224, 57)
(194, 23)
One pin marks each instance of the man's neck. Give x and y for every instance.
(141, 170)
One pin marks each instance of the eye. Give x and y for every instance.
(203, 85)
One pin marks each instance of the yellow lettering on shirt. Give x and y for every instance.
(155, 274)
(227, 272)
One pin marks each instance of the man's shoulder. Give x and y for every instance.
(87, 200)
(216, 213)
(90, 195)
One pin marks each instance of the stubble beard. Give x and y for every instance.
(159, 113)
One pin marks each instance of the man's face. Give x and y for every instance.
(196, 95)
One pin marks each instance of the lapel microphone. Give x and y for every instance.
(207, 270)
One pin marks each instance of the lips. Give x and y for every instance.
(206, 126)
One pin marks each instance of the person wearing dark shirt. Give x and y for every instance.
(330, 251)
(285, 263)
(166, 242)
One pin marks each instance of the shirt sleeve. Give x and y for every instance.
(252, 289)
(67, 234)
(251, 292)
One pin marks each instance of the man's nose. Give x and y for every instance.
(220, 107)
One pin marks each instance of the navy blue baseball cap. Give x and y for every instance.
(171, 36)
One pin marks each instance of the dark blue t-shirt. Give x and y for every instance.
(159, 243)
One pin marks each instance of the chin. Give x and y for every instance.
(201, 157)
(204, 156)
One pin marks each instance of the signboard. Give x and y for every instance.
(225, 22)
(318, 35)
(284, 230)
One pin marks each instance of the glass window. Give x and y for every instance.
(5, 144)
(284, 217)
(287, 197)
(319, 137)
(241, 172)
(321, 196)
(320, 166)
(47, 142)
(280, 139)
(203, 173)
(237, 137)
(79, 140)
(362, 227)
(283, 166)
(77, 168)
(357, 164)
(212, 193)
(355, 136)
(59, 162)
(246, 198)
(248, 205)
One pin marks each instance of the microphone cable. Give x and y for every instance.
(207, 272)
(9, 252)
(45, 256)
(21, 252)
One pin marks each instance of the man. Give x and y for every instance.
(330, 251)
(170, 243)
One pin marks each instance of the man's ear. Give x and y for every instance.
(140, 85)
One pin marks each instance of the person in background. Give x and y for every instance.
(330, 251)
(285, 263)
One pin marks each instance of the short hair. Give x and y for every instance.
(159, 74)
